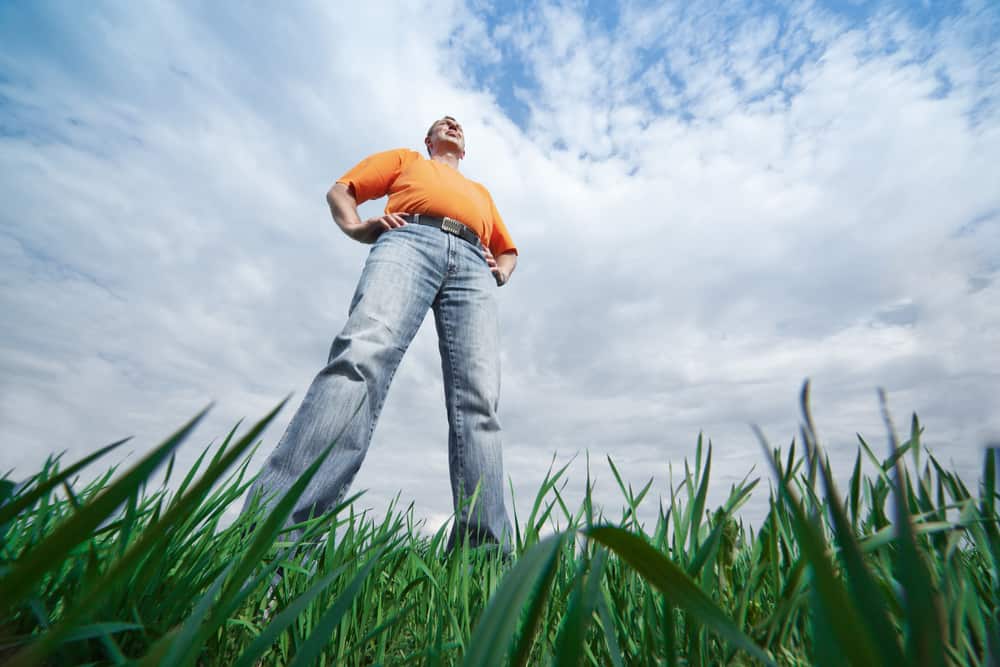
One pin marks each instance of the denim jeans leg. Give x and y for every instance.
(466, 317)
(400, 280)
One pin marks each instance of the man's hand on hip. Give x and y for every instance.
(369, 230)
(499, 274)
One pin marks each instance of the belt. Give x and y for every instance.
(446, 224)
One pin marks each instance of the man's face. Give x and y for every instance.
(445, 133)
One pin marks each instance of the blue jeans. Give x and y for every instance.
(409, 270)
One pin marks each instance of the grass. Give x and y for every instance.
(899, 568)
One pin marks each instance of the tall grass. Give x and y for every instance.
(898, 568)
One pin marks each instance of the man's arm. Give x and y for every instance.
(344, 208)
(501, 266)
(505, 263)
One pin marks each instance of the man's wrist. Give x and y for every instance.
(357, 231)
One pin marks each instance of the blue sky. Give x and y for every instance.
(712, 201)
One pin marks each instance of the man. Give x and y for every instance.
(440, 245)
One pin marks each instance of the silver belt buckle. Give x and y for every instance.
(452, 226)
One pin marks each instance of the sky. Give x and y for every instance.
(712, 201)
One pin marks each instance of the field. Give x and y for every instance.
(897, 568)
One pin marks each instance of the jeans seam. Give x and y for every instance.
(377, 408)
(453, 255)
(456, 389)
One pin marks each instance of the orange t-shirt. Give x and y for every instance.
(416, 184)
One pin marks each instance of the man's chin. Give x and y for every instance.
(454, 146)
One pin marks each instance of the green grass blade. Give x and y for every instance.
(99, 630)
(21, 502)
(189, 641)
(532, 524)
(572, 639)
(6, 492)
(987, 509)
(854, 502)
(518, 543)
(124, 567)
(841, 625)
(183, 642)
(495, 629)
(865, 592)
(78, 634)
(192, 471)
(674, 583)
(608, 630)
(924, 617)
(320, 637)
(269, 635)
(522, 651)
(52, 551)
(698, 505)
(707, 548)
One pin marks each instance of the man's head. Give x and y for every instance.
(445, 135)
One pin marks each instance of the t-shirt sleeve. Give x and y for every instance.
(500, 241)
(372, 177)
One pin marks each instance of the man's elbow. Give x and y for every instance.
(331, 194)
(340, 193)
